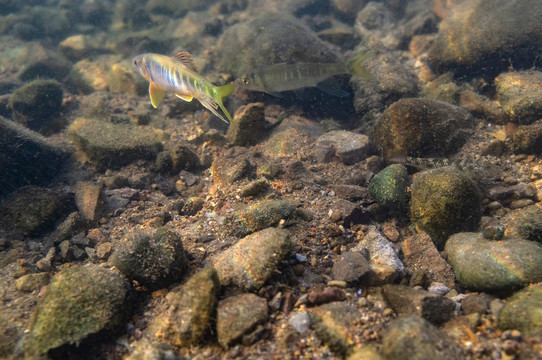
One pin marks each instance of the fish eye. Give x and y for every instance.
(136, 62)
(244, 79)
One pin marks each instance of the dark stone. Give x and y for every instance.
(527, 139)
(389, 188)
(326, 296)
(476, 303)
(248, 126)
(520, 95)
(350, 267)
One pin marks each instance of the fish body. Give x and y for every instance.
(276, 78)
(178, 74)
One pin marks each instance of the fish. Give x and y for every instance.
(273, 79)
(179, 74)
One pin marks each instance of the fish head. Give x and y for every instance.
(140, 63)
(250, 81)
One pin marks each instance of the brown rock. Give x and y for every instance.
(89, 200)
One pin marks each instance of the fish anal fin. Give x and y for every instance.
(332, 87)
(187, 60)
(156, 94)
(212, 105)
(187, 98)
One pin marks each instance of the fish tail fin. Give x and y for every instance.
(223, 91)
(355, 67)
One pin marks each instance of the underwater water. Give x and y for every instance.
(339, 179)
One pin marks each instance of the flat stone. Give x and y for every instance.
(252, 260)
(494, 266)
(347, 146)
(32, 282)
(89, 200)
(239, 315)
(350, 267)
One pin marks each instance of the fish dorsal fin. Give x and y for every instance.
(186, 59)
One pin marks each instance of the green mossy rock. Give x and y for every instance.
(80, 301)
(494, 266)
(443, 202)
(389, 188)
(523, 311)
(110, 145)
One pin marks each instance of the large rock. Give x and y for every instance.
(444, 201)
(413, 338)
(520, 95)
(523, 311)
(111, 145)
(252, 260)
(488, 35)
(155, 258)
(285, 39)
(80, 301)
(422, 128)
(189, 310)
(26, 157)
(494, 266)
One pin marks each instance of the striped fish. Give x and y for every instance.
(178, 74)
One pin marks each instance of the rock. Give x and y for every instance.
(32, 282)
(89, 200)
(183, 157)
(350, 192)
(348, 147)
(349, 213)
(482, 107)
(350, 267)
(520, 95)
(443, 202)
(73, 224)
(79, 302)
(494, 266)
(523, 311)
(188, 311)
(414, 338)
(239, 315)
(405, 300)
(420, 253)
(507, 194)
(526, 223)
(110, 145)
(385, 263)
(332, 323)
(88, 76)
(476, 303)
(192, 206)
(255, 188)
(325, 296)
(260, 252)
(291, 136)
(491, 33)
(248, 126)
(26, 157)
(31, 211)
(78, 47)
(366, 352)
(527, 139)
(285, 39)
(389, 188)
(228, 168)
(37, 104)
(154, 258)
(145, 349)
(258, 216)
(123, 78)
(392, 81)
(422, 128)
(103, 250)
(164, 7)
(301, 321)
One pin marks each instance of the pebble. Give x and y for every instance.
(301, 321)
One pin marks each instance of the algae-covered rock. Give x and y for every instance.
(111, 145)
(520, 95)
(239, 315)
(413, 338)
(258, 216)
(389, 188)
(248, 126)
(31, 210)
(527, 139)
(494, 266)
(80, 301)
(37, 103)
(422, 128)
(526, 223)
(523, 311)
(444, 201)
(252, 260)
(189, 310)
(332, 323)
(155, 258)
(488, 35)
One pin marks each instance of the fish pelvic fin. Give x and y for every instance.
(156, 94)
(355, 67)
(187, 98)
(222, 92)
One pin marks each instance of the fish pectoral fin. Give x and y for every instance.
(333, 88)
(184, 97)
(156, 94)
(212, 105)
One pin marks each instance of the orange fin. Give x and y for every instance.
(184, 97)
(185, 58)
(156, 94)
